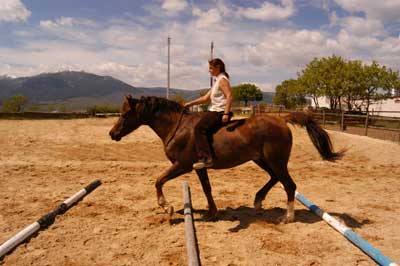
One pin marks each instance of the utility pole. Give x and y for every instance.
(168, 74)
(211, 58)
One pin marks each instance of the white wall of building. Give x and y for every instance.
(388, 107)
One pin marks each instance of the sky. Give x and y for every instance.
(261, 42)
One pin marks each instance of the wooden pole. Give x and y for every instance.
(191, 241)
(211, 58)
(168, 74)
(366, 124)
(323, 118)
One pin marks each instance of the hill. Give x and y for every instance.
(77, 90)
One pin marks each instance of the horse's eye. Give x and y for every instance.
(126, 114)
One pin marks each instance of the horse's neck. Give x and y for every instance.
(164, 124)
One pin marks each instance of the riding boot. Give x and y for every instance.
(205, 163)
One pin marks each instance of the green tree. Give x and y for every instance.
(352, 89)
(62, 108)
(325, 77)
(51, 107)
(247, 92)
(33, 108)
(332, 79)
(342, 81)
(204, 106)
(15, 104)
(310, 80)
(102, 108)
(290, 93)
(179, 98)
(377, 83)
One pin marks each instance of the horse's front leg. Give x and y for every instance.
(205, 183)
(174, 171)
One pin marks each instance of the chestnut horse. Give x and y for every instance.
(266, 140)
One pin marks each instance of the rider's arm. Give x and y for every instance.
(226, 89)
(200, 100)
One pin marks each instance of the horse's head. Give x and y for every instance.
(129, 119)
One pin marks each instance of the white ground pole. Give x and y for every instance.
(358, 241)
(191, 241)
(46, 220)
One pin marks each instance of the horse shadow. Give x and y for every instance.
(350, 221)
(247, 216)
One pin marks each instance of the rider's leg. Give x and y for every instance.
(202, 130)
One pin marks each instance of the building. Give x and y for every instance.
(389, 107)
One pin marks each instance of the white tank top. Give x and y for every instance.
(218, 98)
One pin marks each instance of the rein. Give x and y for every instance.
(177, 127)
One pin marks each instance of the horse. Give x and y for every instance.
(266, 140)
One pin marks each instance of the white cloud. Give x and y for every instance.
(71, 29)
(268, 11)
(13, 10)
(64, 22)
(287, 48)
(174, 6)
(209, 20)
(385, 10)
(136, 52)
(360, 26)
(266, 86)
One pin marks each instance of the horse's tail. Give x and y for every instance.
(318, 135)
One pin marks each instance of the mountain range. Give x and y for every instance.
(78, 90)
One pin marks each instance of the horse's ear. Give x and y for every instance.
(132, 102)
(128, 96)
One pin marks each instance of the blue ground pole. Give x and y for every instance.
(358, 241)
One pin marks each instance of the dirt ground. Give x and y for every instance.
(43, 162)
(381, 133)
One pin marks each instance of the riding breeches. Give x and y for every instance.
(203, 131)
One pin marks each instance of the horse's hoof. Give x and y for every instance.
(286, 220)
(210, 216)
(257, 205)
(169, 210)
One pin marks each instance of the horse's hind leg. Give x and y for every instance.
(205, 183)
(174, 171)
(262, 193)
(290, 188)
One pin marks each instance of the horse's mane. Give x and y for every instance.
(161, 104)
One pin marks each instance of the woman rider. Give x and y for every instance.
(219, 112)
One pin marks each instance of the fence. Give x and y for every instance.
(43, 115)
(373, 124)
(47, 115)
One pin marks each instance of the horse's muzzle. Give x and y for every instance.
(114, 136)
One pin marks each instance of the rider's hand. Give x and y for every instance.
(186, 105)
(225, 118)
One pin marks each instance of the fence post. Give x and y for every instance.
(323, 118)
(342, 122)
(366, 124)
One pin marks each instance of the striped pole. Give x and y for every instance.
(46, 220)
(358, 241)
(191, 241)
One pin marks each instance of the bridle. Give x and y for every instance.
(176, 127)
